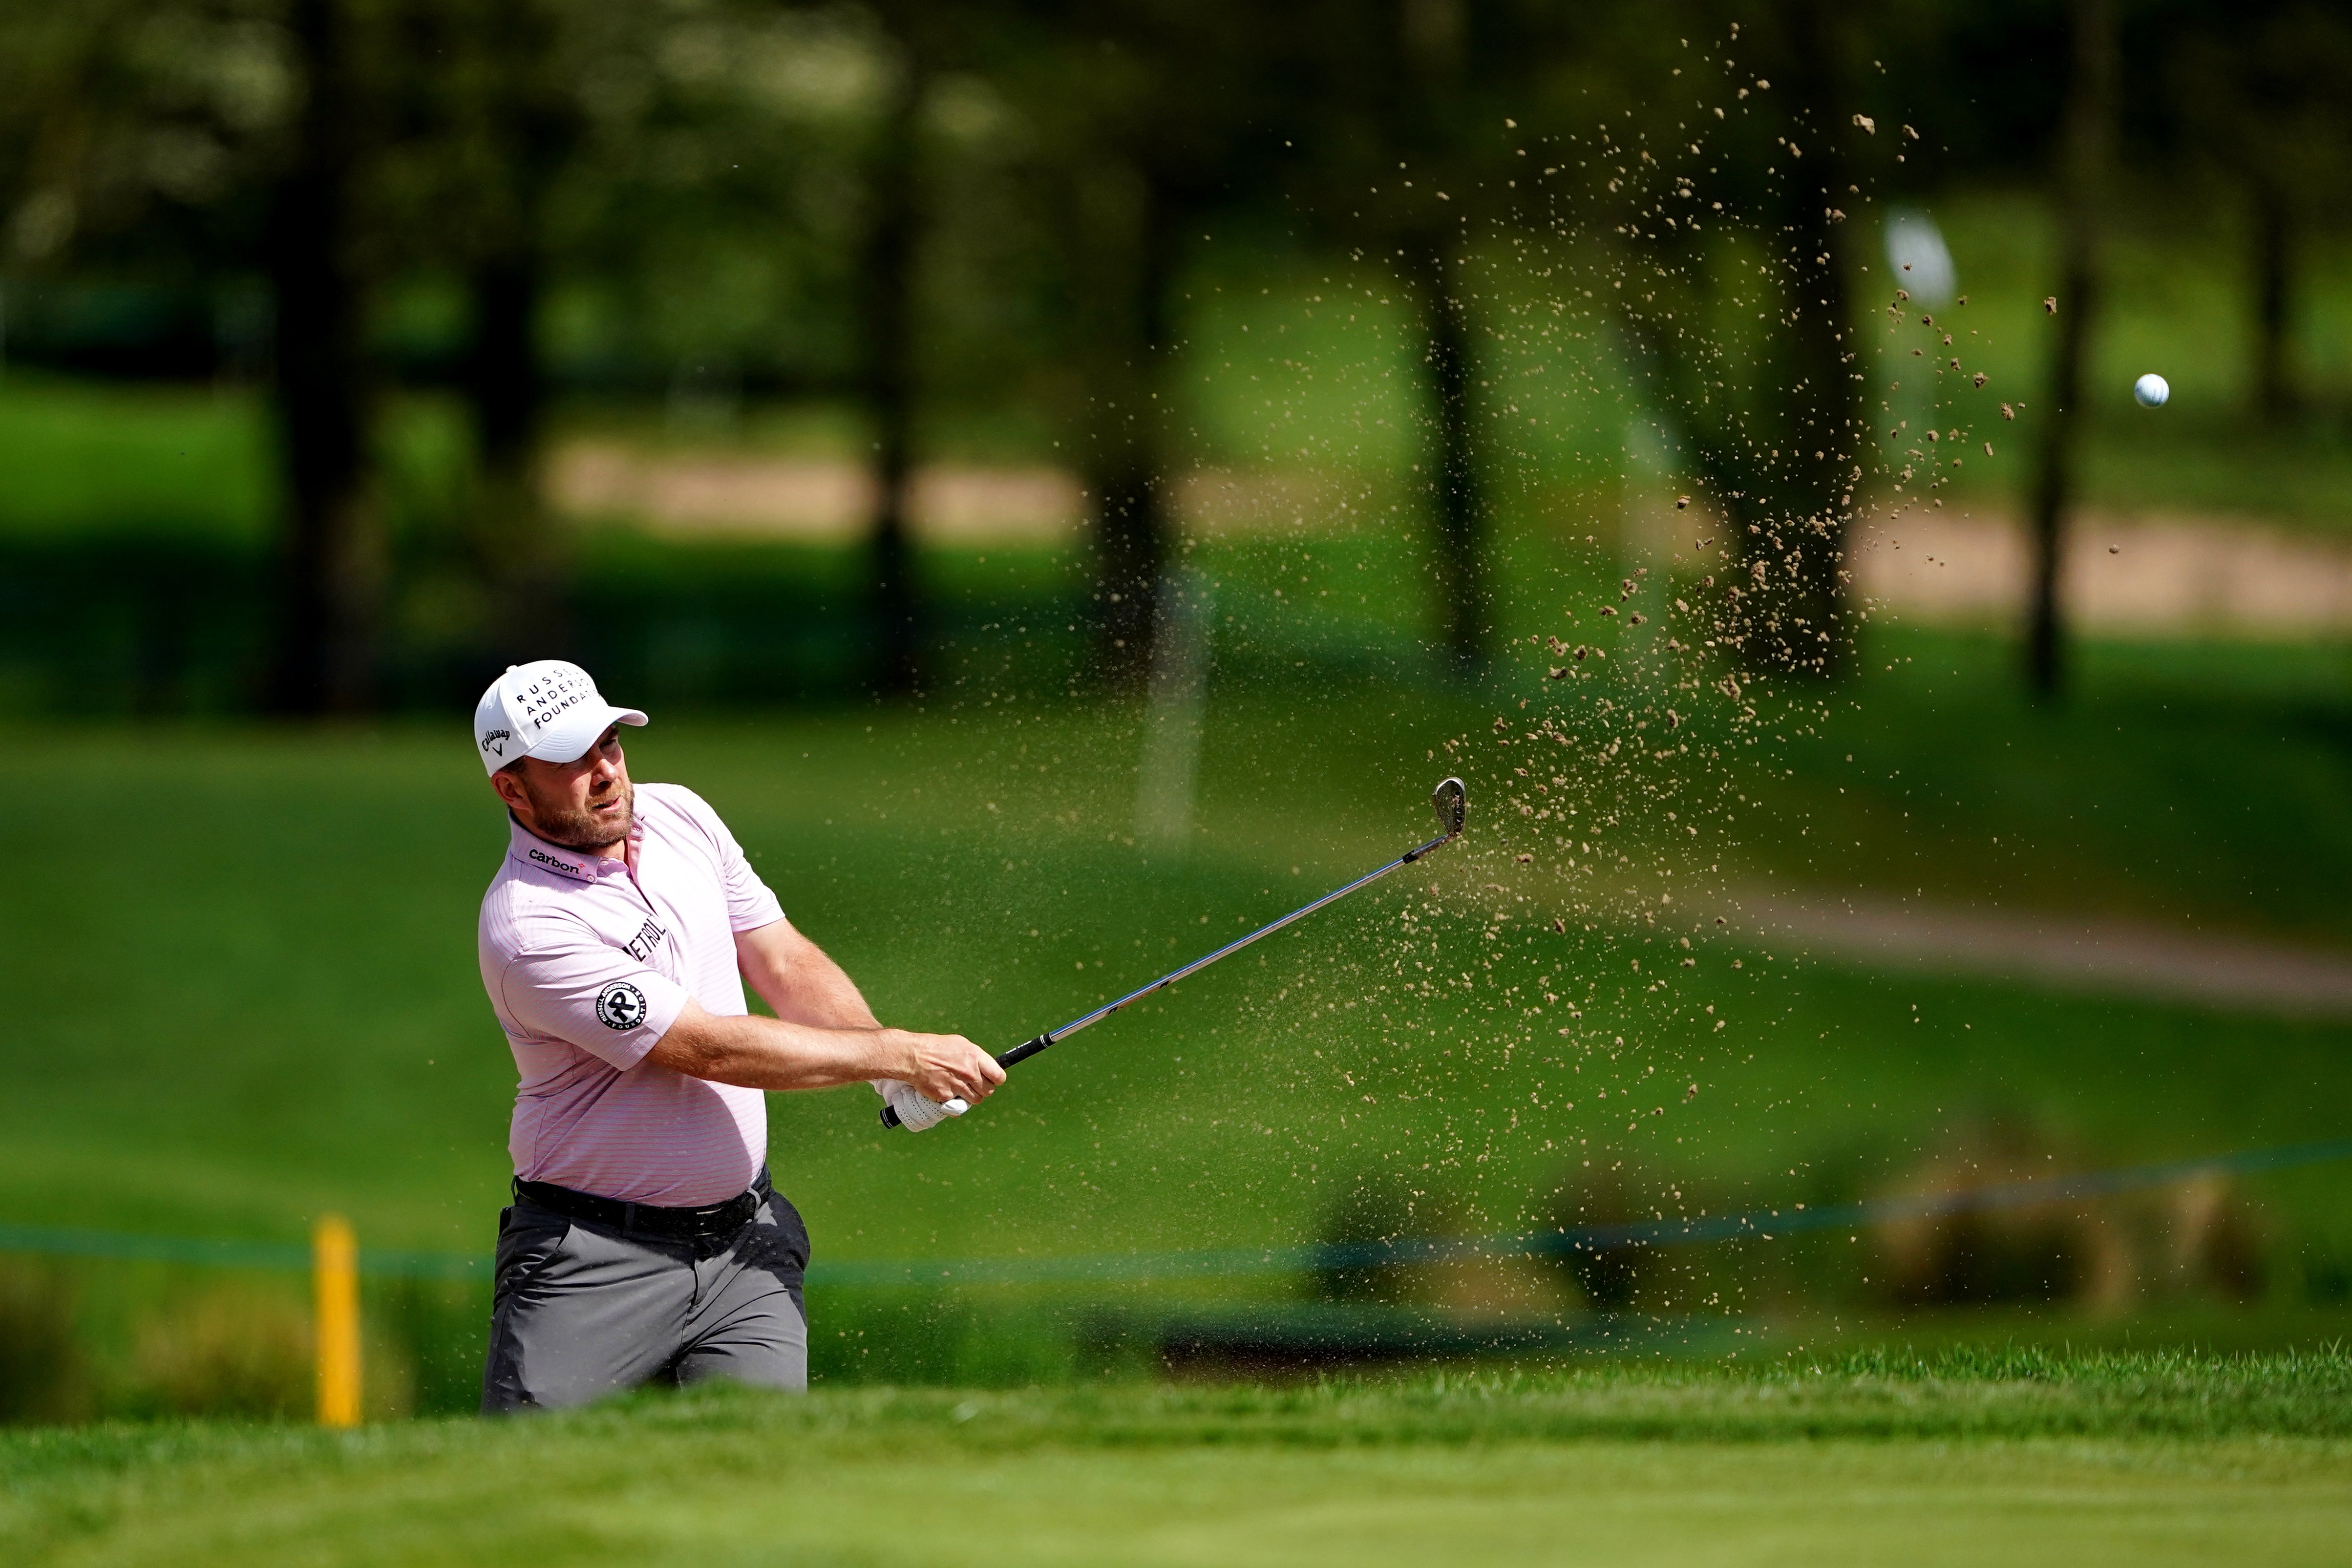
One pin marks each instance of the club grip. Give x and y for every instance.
(1021, 1052)
(1024, 1050)
(904, 1105)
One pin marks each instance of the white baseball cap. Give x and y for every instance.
(549, 709)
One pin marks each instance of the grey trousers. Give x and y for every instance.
(581, 1311)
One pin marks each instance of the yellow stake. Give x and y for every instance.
(335, 1281)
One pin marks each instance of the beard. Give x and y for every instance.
(583, 828)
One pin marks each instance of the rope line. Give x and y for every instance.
(1761, 1224)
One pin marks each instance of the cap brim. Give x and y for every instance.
(574, 735)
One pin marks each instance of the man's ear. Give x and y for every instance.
(511, 791)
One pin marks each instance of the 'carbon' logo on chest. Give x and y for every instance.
(640, 946)
(620, 1005)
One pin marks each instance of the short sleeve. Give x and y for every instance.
(591, 995)
(750, 904)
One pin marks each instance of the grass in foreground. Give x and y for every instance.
(1965, 1458)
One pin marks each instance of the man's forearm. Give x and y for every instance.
(771, 1053)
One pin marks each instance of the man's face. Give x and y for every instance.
(585, 805)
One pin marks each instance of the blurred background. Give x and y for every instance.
(1900, 762)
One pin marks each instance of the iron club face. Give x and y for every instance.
(1450, 801)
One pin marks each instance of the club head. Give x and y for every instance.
(1450, 801)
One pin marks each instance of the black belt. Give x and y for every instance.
(648, 1219)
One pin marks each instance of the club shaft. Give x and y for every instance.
(1030, 1047)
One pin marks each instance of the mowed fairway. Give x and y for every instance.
(2134, 1461)
(252, 991)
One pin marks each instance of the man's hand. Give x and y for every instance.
(942, 1068)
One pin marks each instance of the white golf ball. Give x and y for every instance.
(2151, 390)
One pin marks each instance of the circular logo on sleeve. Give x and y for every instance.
(620, 1005)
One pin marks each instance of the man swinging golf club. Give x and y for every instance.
(645, 1243)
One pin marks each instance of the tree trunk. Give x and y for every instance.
(1793, 554)
(507, 396)
(331, 567)
(525, 131)
(1130, 549)
(888, 305)
(1786, 498)
(2273, 258)
(2087, 147)
(1130, 226)
(1460, 511)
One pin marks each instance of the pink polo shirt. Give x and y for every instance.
(588, 961)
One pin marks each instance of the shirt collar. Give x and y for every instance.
(576, 865)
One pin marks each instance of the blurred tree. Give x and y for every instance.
(1743, 323)
(55, 65)
(516, 128)
(1389, 109)
(1791, 531)
(135, 135)
(213, 136)
(1432, 44)
(634, 198)
(887, 298)
(747, 196)
(2257, 91)
(1461, 511)
(706, 236)
(331, 561)
(2082, 191)
(1123, 230)
(1144, 112)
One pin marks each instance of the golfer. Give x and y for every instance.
(645, 1244)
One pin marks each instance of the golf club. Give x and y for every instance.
(904, 1107)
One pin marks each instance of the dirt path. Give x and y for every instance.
(2145, 574)
(809, 498)
(2126, 958)
(2120, 573)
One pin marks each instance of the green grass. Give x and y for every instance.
(253, 996)
(286, 1015)
(82, 458)
(2190, 783)
(2020, 1458)
(283, 1015)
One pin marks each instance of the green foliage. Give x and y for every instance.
(1378, 1208)
(428, 1334)
(43, 1377)
(931, 1337)
(224, 1350)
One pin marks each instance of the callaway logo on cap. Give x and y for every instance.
(549, 709)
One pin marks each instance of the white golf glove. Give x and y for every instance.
(917, 1114)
